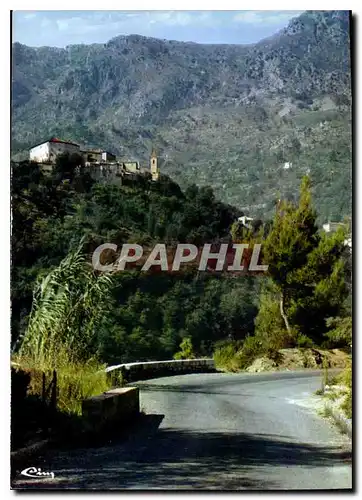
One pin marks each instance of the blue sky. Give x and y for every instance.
(62, 28)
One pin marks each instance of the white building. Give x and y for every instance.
(243, 220)
(108, 157)
(47, 152)
(348, 242)
(331, 227)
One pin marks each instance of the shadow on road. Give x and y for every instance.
(154, 458)
(193, 390)
(229, 380)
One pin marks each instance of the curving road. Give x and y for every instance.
(215, 431)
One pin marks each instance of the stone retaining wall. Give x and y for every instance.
(152, 369)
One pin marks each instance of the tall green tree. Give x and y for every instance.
(293, 236)
(305, 266)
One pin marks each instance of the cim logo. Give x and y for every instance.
(36, 472)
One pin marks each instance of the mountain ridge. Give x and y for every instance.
(227, 115)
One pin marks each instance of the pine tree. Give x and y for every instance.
(305, 266)
(292, 238)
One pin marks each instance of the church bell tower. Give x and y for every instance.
(154, 167)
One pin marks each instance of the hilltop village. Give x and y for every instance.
(103, 161)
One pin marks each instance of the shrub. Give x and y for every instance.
(187, 351)
(340, 333)
(68, 305)
(304, 341)
(345, 377)
(235, 356)
(224, 354)
(252, 348)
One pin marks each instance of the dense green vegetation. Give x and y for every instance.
(143, 317)
(60, 218)
(69, 317)
(229, 116)
(249, 121)
(305, 301)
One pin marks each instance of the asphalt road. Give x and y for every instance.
(215, 431)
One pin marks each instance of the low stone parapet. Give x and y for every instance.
(116, 407)
(152, 369)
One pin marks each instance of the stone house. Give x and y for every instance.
(47, 152)
(98, 155)
(331, 227)
(131, 166)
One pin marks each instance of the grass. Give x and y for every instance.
(229, 358)
(347, 405)
(76, 380)
(327, 412)
(235, 356)
(344, 379)
(346, 376)
(224, 357)
(332, 396)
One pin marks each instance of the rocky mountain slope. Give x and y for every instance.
(248, 120)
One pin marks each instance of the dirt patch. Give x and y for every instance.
(262, 365)
(294, 359)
